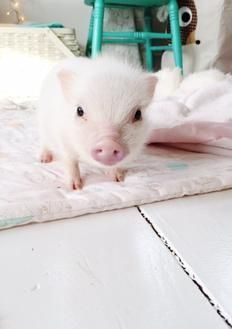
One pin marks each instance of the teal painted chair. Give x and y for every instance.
(97, 36)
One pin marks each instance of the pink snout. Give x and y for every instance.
(108, 152)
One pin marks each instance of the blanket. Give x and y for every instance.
(196, 119)
(197, 116)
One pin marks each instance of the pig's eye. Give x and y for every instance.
(138, 115)
(80, 111)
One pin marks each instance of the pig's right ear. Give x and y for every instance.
(67, 81)
(168, 81)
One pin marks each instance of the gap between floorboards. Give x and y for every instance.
(188, 271)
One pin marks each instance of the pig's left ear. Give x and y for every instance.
(151, 81)
(67, 81)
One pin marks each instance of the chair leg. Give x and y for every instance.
(98, 17)
(175, 31)
(148, 28)
(90, 36)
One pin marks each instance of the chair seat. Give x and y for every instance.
(131, 3)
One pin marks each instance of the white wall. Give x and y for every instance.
(72, 13)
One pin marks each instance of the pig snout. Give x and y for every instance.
(109, 152)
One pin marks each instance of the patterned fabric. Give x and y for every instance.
(35, 192)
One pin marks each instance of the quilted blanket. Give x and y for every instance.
(35, 192)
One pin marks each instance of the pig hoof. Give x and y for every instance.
(76, 184)
(117, 175)
(46, 156)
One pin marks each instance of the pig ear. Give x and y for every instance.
(151, 80)
(67, 80)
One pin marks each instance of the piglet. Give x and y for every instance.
(94, 111)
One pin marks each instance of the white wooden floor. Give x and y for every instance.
(164, 266)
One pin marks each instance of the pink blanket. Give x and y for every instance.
(196, 117)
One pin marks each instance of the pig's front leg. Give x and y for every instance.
(117, 174)
(73, 174)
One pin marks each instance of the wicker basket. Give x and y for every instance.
(55, 43)
(68, 38)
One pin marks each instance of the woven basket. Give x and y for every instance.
(68, 38)
(55, 43)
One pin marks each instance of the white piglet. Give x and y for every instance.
(94, 111)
